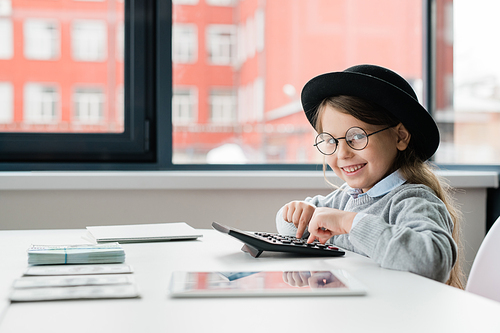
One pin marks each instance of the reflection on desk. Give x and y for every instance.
(395, 302)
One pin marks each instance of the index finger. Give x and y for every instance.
(305, 218)
(301, 228)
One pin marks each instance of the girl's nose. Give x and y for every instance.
(343, 150)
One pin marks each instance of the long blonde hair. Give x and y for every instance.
(412, 168)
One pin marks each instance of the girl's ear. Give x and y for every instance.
(403, 137)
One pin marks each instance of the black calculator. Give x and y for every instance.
(258, 242)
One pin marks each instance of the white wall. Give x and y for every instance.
(246, 200)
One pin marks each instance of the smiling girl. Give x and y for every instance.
(377, 137)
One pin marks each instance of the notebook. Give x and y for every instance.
(139, 233)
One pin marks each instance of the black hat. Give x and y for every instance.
(383, 87)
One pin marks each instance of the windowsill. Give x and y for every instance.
(203, 180)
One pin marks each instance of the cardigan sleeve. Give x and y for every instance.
(412, 234)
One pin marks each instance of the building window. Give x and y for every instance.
(6, 39)
(184, 2)
(184, 104)
(120, 106)
(250, 37)
(41, 103)
(6, 101)
(120, 42)
(41, 39)
(221, 44)
(88, 105)
(184, 43)
(222, 107)
(89, 40)
(220, 2)
(251, 102)
(5, 8)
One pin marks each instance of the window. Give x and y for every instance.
(184, 102)
(6, 101)
(89, 40)
(120, 42)
(184, 2)
(89, 105)
(467, 105)
(259, 54)
(41, 103)
(221, 44)
(251, 102)
(41, 39)
(184, 43)
(222, 106)
(120, 107)
(79, 110)
(198, 75)
(6, 39)
(251, 36)
(5, 8)
(220, 2)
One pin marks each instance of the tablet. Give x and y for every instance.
(264, 283)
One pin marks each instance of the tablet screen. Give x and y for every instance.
(264, 283)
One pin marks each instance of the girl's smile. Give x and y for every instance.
(352, 168)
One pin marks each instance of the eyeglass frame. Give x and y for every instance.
(337, 139)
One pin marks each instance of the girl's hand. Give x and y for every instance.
(313, 279)
(297, 279)
(328, 222)
(299, 213)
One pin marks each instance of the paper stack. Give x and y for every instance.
(76, 254)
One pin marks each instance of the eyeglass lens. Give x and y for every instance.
(355, 137)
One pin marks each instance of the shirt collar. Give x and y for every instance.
(384, 186)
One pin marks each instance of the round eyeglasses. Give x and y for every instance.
(355, 137)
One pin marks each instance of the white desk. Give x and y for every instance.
(396, 301)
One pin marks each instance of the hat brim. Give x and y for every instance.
(422, 127)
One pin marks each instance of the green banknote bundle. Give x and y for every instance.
(76, 254)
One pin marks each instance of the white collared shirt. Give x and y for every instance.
(383, 187)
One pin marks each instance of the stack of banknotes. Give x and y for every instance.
(69, 282)
(76, 254)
